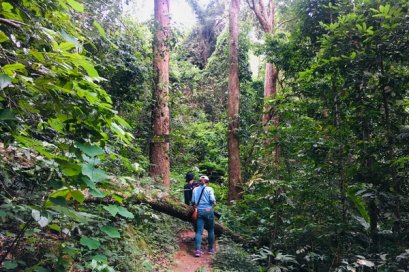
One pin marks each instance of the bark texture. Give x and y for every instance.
(234, 168)
(270, 90)
(159, 149)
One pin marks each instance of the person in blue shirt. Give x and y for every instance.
(205, 214)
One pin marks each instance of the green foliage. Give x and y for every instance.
(196, 140)
(89, 242)
(212, 93)
(54, 111)
(200, 44)
(75, 97)
(335, 196)
(232, 258)
(146, 247)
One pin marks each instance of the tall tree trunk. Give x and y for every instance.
(270, 90)
(233, 102)
(265, 14)
(159, 152)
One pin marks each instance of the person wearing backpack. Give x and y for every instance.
(203, 198)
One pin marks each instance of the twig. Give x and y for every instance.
(5, 188)
(283, 22)
(11, 22)
(21, 233)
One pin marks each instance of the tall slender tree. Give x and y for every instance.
(159, 151)
(233, 102)
(265, 14)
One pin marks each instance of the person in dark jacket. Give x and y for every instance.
(188, 188)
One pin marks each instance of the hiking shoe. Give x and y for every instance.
(198, 253)
(210, 251)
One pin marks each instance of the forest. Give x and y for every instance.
(296, 110)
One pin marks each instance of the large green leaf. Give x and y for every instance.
(77, 195)
(2, 214)
(89, 68)
(89, 183)
(66, 46)
(111, 231)
(55, 227)
(359, 204)
(39, 56)
(7, 115)
(3, 37)
(90, 150)
(63, 193)
(70, 39)
(10, 265)
(76, 5)
(112, 209)
(56, 124)
(98, 26)
(59, 201)
(10, 69)
(70, 169)
(89, 242)
(41, 269)
(97, 193)
(124, 212)
(118, 198)
(100, 258)
(81, 217)
(70, 213)
(94, 174)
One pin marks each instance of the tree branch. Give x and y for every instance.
(260, 13)
(11, 22)
(284, 22)
(251, 5)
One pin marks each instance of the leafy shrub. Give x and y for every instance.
(232, 258)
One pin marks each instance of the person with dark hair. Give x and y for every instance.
(204, 199)
(188, 188)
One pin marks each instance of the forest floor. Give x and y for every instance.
(185, 261)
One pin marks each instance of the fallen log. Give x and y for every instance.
(177, 209)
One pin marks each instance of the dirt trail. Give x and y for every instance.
(185, 261)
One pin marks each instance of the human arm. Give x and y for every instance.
(194, 200)
(212, 198)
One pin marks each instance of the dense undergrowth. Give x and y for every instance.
(75, 105)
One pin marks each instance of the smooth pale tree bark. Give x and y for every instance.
(159, 149)
(234, 168)
(265, 14)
